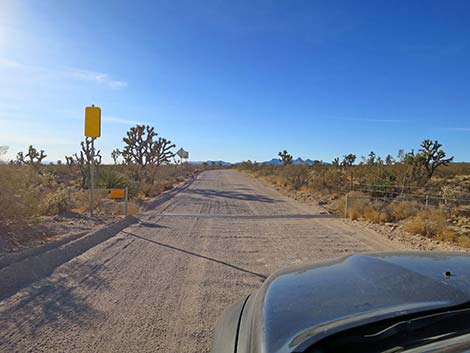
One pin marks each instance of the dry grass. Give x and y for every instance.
(133, 208)
(19, 194)
(451, 236)
(401, 210)
(448, 235)
(430, 223)
(463, 241)
(374, 215)
(56, 202)
(27, 193)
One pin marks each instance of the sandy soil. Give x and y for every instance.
(159, 285)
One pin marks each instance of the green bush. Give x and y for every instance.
(110, 179)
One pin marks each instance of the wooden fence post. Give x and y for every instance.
(126, 200)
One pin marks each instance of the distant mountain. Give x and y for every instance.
(274, 161)
(298, 161)
(301, 161)
(223, 163)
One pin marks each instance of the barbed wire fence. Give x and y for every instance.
(425, 201)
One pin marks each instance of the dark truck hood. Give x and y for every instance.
(299, 306)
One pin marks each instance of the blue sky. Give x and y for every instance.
(238, 80)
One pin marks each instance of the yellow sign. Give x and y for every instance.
(92, 121)
(117, 194)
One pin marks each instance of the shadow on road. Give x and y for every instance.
(212, 193)
(151, 225)
(259, 275)
(56, 302)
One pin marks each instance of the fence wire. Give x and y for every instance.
(427, 201)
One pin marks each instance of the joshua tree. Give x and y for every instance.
(286, 158)
(335, 162)
(144, 149)
(371, 158)
(432, 156)
(115, 155)
(401, 155)
(348, 161)
(33, 157)
(389, 160)
(83, 160)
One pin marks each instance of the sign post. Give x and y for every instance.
(180, 154)
(93, 131)
(126, 201)
(92, 177)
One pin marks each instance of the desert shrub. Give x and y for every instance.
(429, 223)
(377, 212)
(448, 235)
(133, 188)
(56, 202)
(380, 187)
(20, 191)
(110, 179)
(132, 208)
(80, 202)
(463, 241)
(296, 176)
(400, 210)
(354, 214)
(372, 215)
(325, 178)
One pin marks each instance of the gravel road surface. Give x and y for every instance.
(160, 284)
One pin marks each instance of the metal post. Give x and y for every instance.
(92, 177)
(346, 206)
(126, 199)
(427, 202)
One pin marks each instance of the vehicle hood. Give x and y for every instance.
(299, 306)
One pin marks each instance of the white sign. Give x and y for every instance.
(182, 153)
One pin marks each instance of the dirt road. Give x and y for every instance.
(160, 284)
